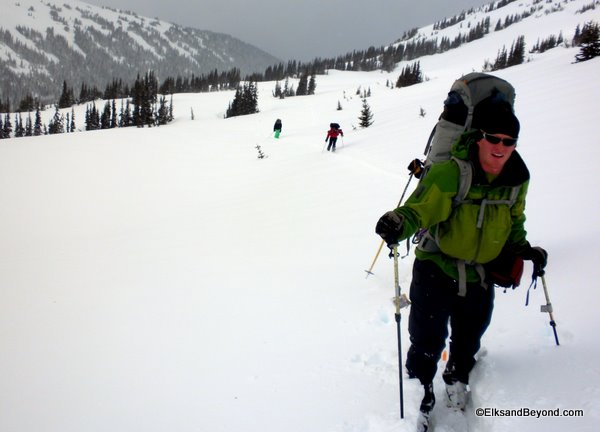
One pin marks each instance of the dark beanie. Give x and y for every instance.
(496, 117)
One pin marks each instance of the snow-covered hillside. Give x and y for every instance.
(169, 279)
(66, 17)
(43, 43)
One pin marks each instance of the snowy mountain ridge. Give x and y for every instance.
(43, 43)
(500, 13)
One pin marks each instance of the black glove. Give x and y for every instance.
(389, 227)
(416, 168)
(538, 256)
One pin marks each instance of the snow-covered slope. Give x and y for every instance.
(168, 279)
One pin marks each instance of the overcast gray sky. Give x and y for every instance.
(301, 29)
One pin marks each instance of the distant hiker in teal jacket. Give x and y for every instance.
(452, 279)
(277, 128)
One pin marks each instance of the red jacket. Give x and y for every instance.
(333, 133)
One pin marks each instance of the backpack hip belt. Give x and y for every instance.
(429, 244)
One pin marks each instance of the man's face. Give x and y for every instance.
(493, 151)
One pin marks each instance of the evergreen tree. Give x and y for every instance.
(121, 115)
(72, 126)
(253, 95)
(115, 90)
(87, 94)
(286, 87)
(232, 78)
(67, 98)
(366, 116)
(19, 128)
(95, 117)
(87, 118)
(7, 128)
(410, 75)
(548, 43)
(5, 106)
(56, 125)
(387, 60)
(517, 52)
(501, 60)
(28, 103)
(588, 42)
(127, 118)
(144, 95)
(235, 105)
(312, 84)
(114, 121)
(162, 113)
(137, 96)
(37, 126)
(302, 89)
(150, 97)
(288, 91)
(28, 126)
(278, 93)
(244, 102)
(84, 94)
(92, 117)
(105, 116)
(577, 36)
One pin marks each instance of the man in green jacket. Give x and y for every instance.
(464, 234)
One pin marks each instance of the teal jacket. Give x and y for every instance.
(461, 231)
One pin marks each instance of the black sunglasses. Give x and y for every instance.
(492, 139)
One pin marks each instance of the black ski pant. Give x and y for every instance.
(332, 142)
(435, 303)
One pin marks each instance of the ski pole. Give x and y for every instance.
(548, 308)
(400, 301)
(370, 271)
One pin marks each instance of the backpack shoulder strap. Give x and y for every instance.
(513, 195)
(464, 184)
(464, 180)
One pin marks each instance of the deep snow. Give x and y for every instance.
(168, 279)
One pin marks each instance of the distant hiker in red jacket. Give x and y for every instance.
(332, 136)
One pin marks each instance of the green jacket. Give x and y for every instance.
(455, 227)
